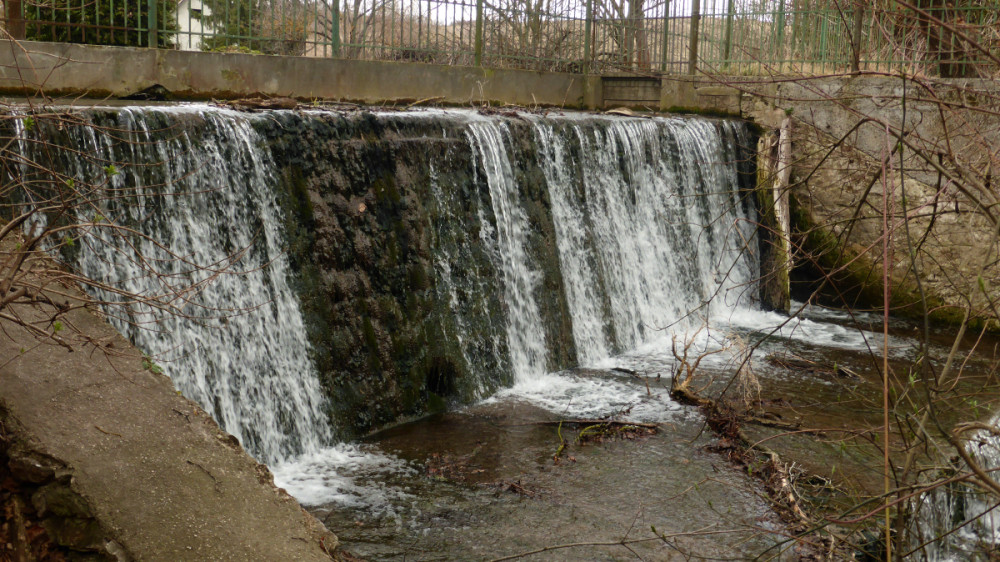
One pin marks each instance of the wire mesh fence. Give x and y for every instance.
(950, 38)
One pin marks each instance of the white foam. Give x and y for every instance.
(618, 393)
(347, 474)
(940, 510)
(577, 396)
(820, 334)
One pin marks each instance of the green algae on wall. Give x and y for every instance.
(847, 275)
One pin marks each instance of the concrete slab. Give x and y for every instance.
(118, 464)
(61, 69)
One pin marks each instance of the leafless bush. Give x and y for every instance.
(48, 215)
(914, 231)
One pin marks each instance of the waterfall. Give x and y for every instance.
(651, 226)
(959, 520)
(550, 242)
(197, 188)
(509, 246)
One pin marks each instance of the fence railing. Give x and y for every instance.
(599, 36)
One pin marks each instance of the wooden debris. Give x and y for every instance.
(796, 363)
(501, 112)
(635, 374)
(609, 423)
(255, 104)
(623, 111)
(425, 101)
(515, 488)
(454, 468)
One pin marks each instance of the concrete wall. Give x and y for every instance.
(630, 91)
(65, 70)
(29, 68)
(846, 169)
(677, 94)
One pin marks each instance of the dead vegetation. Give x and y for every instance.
(591, 432)
(453, 468)
(794, 362)
(727, 417)
(465, 469)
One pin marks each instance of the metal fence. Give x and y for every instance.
(601, 36)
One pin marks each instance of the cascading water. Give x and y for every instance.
(225, 323)
(555, 241)
(652, 228)
(957, 521)
(525, 337)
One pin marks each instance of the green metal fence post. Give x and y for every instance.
(587, 30)
(779, 39)
(664, 47)
(822, 44)
(15, 19)
(479, 33)
(335, 29)
(631, 30)
(859, 15)
(693, 37)
(151, 20)
(729, 31)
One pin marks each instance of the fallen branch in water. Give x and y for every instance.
(796, 363)
(592, 430)
(759, 461)
(686, 396)
(726, 423)
(609, 423)
(514, 487)
(636, 375)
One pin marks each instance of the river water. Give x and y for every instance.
(482, 482)
(654, 238)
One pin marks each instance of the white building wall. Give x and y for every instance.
(190, 27)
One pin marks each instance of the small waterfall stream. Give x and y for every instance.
(653, 229)
(207, 252)
(525, 337)
(955, 521)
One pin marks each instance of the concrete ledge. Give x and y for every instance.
(686, 93)
(689, 94)
(59, 69)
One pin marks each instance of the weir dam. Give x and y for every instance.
(310, 276)
(312, 279)
(388, 263)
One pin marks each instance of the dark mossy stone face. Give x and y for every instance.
(373, 206)
(390, 229)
